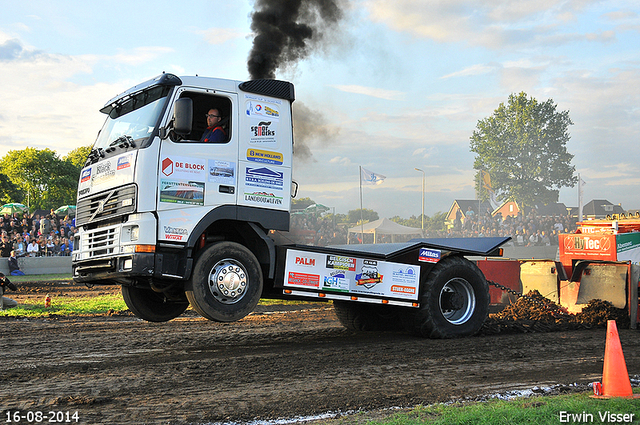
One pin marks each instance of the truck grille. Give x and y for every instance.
(106, 205)
(100, 242)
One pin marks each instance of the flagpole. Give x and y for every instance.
(361, 216)
(579, 197)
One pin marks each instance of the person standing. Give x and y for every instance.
(4, 285)
(45, 226)
(6, 246)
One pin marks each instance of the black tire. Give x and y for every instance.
(454, 301)
(366, 317)
(226, 283)
(151, 306)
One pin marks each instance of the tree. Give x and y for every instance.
(367, 215)
(46, 180)
(523, 148)
(302, 203)
(9, 192)
(78, 157)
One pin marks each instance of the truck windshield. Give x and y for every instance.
(134, 116)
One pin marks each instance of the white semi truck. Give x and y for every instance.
(177, 222)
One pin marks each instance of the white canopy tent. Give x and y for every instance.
(385, 226)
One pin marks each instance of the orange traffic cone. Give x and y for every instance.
(615, 378)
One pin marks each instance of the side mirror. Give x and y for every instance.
(183, 116)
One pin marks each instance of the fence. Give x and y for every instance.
(39, 265)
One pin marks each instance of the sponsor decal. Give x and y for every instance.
(305, 261)
(260, 109)
(341, 263)
(179, 192)
(184, 167)
(223, 172)
(303, 279)
(86, 175)
(175, 233)
(587, 243)
(124, 162)
(262, 129)
(263, 198)
(337, 283)
(591, 246)
(368, 276)
(266, 157)
(264, 178)
(104, 174)
(103, 168)
(400, 289)
(429, 255)
(167, 167)
(406, 275)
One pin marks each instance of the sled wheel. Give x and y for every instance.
(151, 306)
(366, 317)
(226, 283)
(454, 301)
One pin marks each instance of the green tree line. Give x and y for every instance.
(40, 178)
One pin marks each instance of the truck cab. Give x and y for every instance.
(153, 197)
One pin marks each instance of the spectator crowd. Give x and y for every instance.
(531, 229)
(36, 236)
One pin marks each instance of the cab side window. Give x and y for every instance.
(211, 118)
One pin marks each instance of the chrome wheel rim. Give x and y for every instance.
(228, 281)
(457, 301)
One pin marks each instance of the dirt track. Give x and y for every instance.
(277, 362)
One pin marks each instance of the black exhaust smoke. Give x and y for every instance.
(288, 30)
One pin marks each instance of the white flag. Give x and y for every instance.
(369, 177)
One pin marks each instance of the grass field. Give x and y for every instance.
(41, 278)
(538, 410)
(68, 306)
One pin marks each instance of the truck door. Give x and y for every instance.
(194, 176)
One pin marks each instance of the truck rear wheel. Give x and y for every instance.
(151, 306)
(454, 301)
(226, 283)
(366, 317)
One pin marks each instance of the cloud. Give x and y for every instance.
(12, 49)
(43, 107)
(219, 36)
(493, 24)
(477, 69)
(340, 160)
(371, 91)
(140, 55)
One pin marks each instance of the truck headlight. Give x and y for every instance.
(130, 233)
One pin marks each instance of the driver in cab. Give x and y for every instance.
(214, 132)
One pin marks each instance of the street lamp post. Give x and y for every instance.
(423, 176)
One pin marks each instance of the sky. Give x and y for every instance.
(395, 86)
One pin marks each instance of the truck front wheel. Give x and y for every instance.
(226, 283)
(454, 301)
(151, 306)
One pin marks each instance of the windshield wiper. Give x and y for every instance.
(94, 155)
(122, 142)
